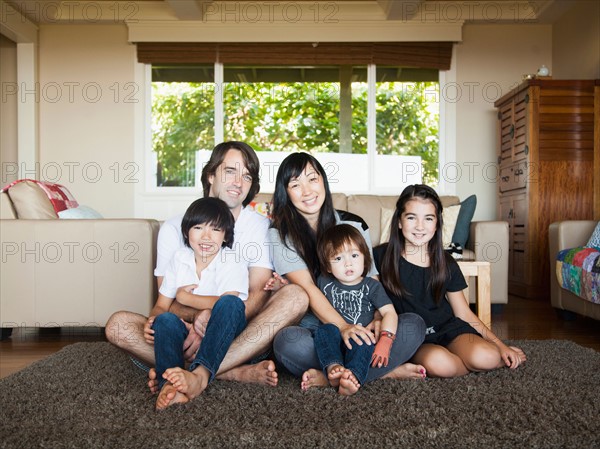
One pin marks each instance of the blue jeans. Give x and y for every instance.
(331, 350)
(227, 321)
(294, 346)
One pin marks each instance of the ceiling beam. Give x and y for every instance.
(400, 9)
(189, 9)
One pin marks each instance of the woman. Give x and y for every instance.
(302, 211)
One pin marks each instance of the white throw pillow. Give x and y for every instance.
(78, 213)
(384, 223)
(449, 214)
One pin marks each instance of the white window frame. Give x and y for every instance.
(163, 202)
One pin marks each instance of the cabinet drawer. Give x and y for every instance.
(513, 177)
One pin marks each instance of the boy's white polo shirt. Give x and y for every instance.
(223, 274)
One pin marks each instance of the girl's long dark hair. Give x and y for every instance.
(390, 265)
(292, 226)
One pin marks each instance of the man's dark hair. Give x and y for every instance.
(250, 160)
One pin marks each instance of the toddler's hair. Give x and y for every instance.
(333, 240)
(212, 211)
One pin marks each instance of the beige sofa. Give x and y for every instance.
(488, 240)
(78, 272)
(564, 235)
(73, 272)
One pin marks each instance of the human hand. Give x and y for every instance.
(185, 289)
(191, 343)
(276, 282)
(358, 334)
(381, 354)
(512, 356)
(148, 331)
(375, 326)
(201, 319)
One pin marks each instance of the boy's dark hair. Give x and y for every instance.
(211, 211)
(250, 159)
(333, 240)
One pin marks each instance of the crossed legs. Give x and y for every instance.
(285, 307)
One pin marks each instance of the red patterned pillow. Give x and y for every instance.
(263, 208)
(59, 195)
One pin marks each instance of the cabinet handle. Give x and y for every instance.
(499, 160)
(510, 213)
(526, 98)
(526, 150)
(512, 131)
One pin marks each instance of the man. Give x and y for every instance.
(232, 175)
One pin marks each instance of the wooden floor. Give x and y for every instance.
(520, 319)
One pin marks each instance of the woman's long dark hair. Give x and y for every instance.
(292, 226)
(390, 265)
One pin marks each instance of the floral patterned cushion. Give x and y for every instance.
(578, 270)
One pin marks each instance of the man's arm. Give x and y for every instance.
(257, 295)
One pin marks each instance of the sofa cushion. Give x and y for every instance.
(463, 222)
(578, 271)
(34, 199)
(7, 211)
(595, 237)
(30, 202)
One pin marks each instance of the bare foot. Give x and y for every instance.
(152, 382)
(334, 373)
(168, 396)
(260, 373)
(192, 384)
(407, 371)
(349, 384)
(313, 378)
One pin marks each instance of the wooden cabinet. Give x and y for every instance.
(547, 142)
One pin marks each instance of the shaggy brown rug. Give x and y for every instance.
(91, 395)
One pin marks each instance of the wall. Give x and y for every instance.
(88, 134)
(8, 111)
(576, 42)
(490, 61)
(87, 98)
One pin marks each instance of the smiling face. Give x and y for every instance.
(205, 239)
(418, 222)
(231, 181)
(307, 194)
(347, 265)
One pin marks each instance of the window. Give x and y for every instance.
(283, 109)
(363, 108)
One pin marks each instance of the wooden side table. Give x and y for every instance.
(482, 272)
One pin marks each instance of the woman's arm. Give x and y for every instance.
(389, 320)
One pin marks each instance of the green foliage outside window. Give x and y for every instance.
(290, 117)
